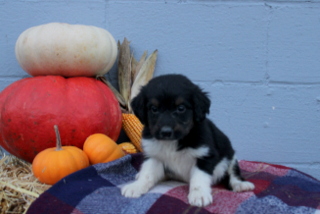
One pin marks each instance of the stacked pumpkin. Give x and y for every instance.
(64, 61)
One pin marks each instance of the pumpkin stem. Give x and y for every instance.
(57, 137)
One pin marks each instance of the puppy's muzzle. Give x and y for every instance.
(166, 133)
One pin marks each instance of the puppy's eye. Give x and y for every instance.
(181, 108)
(154, 109)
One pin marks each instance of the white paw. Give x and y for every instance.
(200, 198)
(134, 190)
(242, 186)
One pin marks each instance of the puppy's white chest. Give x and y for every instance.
(178, 164)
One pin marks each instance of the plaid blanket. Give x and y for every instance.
(96, 189)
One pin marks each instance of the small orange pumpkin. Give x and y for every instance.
(101, 149)
(52, 164)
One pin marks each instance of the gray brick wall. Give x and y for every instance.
(259, 60)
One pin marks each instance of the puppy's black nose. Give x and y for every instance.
(166, 132)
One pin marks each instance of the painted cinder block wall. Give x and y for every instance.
(259, 61)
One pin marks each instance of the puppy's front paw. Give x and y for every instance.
(200, 198)
(242, 186)
(133, 190)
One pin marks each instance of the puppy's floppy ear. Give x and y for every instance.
(201, 105)
(139, 107)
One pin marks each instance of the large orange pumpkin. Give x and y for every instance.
(30, 107)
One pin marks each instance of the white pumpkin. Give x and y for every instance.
(66, 50)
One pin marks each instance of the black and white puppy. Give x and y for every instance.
(179, 142)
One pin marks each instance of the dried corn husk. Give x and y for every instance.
(121, 100)
(132, 75)
(144, 74)
(138, 65)
(19, 188)
(124, 69)
(134, 64)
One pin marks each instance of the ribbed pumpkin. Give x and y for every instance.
(30, 107)
(52, 164)
(67, 50)
(101, 149)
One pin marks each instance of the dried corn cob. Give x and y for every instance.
(133, 128)
(128, 148)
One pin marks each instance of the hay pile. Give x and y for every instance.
(18, 187)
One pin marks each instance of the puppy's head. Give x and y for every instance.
(169, 106)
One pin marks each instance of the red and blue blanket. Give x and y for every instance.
(96, 189)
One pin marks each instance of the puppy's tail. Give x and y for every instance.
(133, 128)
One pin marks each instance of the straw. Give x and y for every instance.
(18, 187)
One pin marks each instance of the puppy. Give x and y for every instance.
(180, 143)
